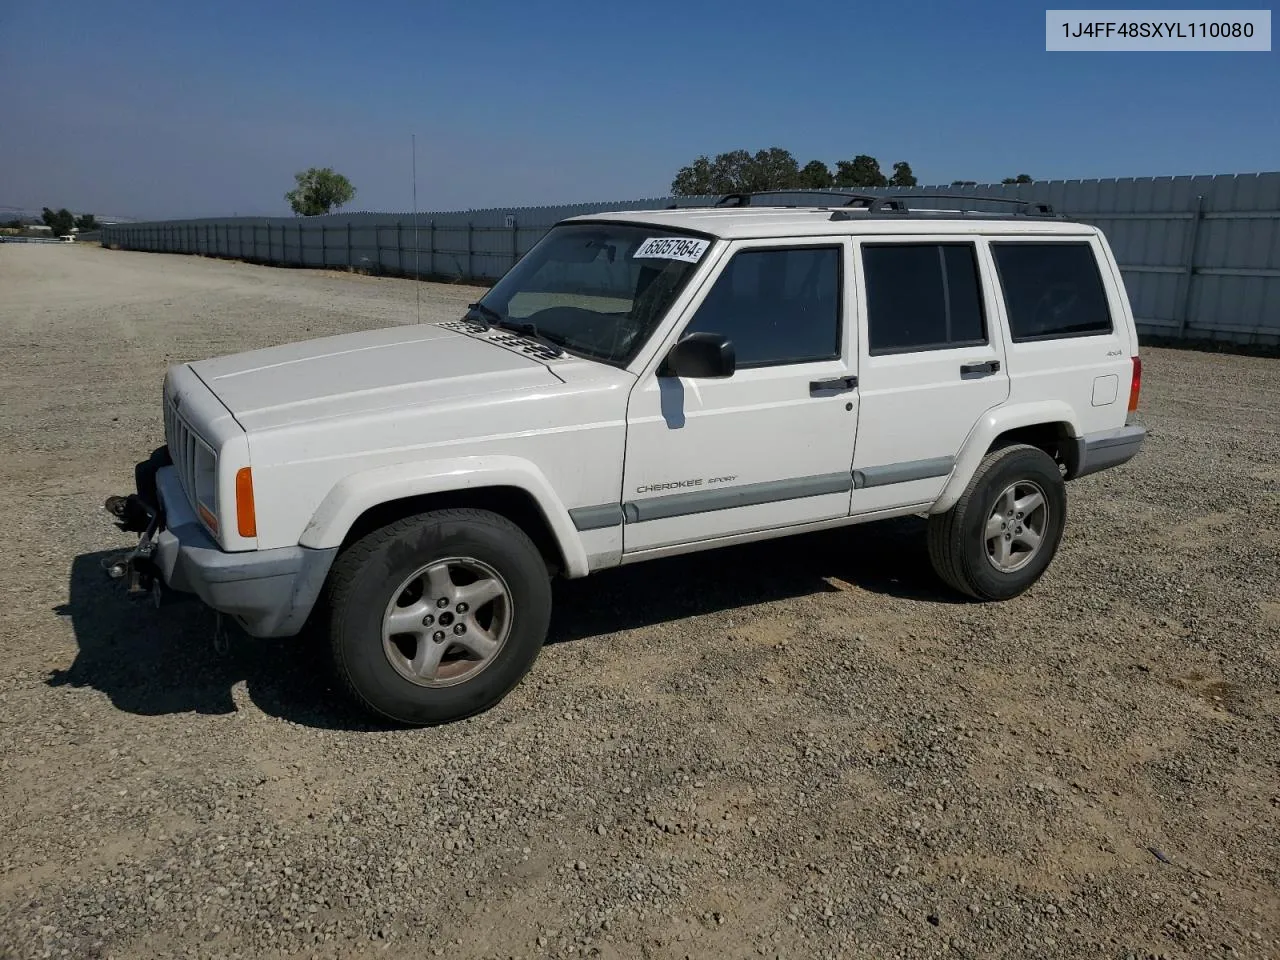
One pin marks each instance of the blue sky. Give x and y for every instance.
(182, 109)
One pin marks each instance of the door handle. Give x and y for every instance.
(980, 369)
(838, 385)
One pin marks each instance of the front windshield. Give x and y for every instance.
(596, 289)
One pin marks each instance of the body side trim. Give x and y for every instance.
(746, 495)
(903, 472)
(597, 517)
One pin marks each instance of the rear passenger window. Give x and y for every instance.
(777, 306)
(1052, 290)
(922, 296)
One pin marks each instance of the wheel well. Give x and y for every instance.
(1055, 439)
(515, 504)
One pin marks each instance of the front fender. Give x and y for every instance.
(993, 423)
(354, 494)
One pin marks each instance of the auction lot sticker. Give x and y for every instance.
(689, 249)
(1157, 30)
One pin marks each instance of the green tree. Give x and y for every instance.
(319, 191)
(60, 223)
(87, 222)
(693, 180)
(730, 172)
(902, 175)
(964, 183)
(738, 171)
(815, 175)
(1020, 178)
(861, 171)
(772, 169)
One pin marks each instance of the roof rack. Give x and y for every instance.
(901, 204)
(893, 204)
(744, 199)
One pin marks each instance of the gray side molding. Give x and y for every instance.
(1102, 451)
(596, 518)
(903, 472)
(747, 495)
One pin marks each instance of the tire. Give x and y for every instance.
(959, 547)
(432, 673)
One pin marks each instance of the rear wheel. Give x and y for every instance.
(438, 616)
(1004, 530)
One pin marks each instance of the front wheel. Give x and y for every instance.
(438, 616)
(1004, 530)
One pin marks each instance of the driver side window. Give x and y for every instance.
(777, 306)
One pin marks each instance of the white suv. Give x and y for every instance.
(642, 384)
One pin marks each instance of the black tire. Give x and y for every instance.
(361, 587)
(957, 541)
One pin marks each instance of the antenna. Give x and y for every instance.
(417, 276)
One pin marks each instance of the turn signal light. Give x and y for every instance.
(1135, 387)
(246, 520)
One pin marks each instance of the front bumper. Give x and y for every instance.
(270, 593)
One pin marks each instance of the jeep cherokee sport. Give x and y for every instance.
(642, 384)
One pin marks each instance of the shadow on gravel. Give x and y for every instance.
(889, 557)
(152, 662)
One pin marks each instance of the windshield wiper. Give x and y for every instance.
(531, 331)
(490, 316)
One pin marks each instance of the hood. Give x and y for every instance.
(362, 373)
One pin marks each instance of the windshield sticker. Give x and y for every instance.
(672, 248)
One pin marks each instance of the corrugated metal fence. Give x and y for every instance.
(1200, 255)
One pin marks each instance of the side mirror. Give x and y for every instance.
(708, 355)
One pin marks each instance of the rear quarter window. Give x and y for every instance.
(1052, 290)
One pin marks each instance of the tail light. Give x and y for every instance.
(1135, 387)
(246, 519)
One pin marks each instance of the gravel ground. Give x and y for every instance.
(798, 749)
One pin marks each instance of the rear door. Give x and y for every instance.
(932, 361)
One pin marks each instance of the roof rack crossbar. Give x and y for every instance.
(744, 199)
(1027, 208)
(888, 203)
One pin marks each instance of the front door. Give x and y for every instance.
(770, 446)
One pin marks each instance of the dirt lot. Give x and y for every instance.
(797, 749)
